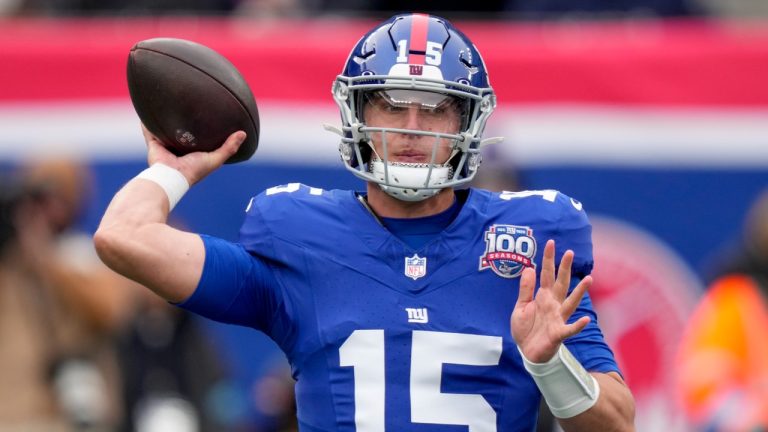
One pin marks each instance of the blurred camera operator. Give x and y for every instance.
(723, 358)
(59, 307)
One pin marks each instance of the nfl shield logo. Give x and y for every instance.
(415, 266)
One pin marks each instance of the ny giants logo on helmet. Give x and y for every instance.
(509, 249)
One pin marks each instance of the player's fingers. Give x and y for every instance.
(572, 301)
(527, 286)
(156, 151)
(153, 147)
(548, 265)
(149, 137)
(229, 148)
(563, 281)
(575, 327)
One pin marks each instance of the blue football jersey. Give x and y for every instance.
(384, 337)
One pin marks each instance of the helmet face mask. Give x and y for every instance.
(423, 65)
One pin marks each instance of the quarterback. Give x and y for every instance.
(415, 305)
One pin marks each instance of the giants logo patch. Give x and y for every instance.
(508, 250)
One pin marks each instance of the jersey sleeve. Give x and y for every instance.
(589, 346)
(574, 232)
(235, 287)
(255, 234)
(277, 215)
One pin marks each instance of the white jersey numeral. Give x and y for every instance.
(290, 187)
(547, 194)
(428, 405)
(364, 350)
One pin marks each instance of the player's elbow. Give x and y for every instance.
(110, 246)
(625, 421)
(622, 405)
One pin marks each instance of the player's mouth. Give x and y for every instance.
(411, 157)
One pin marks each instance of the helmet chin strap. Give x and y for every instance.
(410, 181)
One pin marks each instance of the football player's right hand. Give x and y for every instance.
(194, 166)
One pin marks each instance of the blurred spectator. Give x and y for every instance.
(173, 379)
(498, 176)
(272, 8)
(275, 398)
(741, 9)
(28, 402)
(723, 358)
(89, 350)
(598, 9)
(10, 7)
(59, 307)
(126, 7)
(451, 9)
(493, 9)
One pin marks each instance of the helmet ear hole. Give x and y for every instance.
(365, 152)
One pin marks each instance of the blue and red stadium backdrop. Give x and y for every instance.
(660, 129)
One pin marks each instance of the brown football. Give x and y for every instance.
(191, 97)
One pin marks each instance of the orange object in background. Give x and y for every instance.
(724, 358)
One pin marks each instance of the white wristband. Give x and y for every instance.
(170, 179)
(566, 386)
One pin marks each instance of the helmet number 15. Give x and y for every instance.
(432, 56)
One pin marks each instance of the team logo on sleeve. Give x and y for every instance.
(508, 250)
(415, 266)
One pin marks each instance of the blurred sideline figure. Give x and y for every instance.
(597, 9)
(275, 398)
(170, 371)
(59, 308)
(173, 379)
(498, 174)
(724, 354)
(92, 350)
(454, 9)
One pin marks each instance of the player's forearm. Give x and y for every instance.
(139, 202)
(137, 205)
(613, 411)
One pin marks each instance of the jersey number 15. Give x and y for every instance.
(364, 350)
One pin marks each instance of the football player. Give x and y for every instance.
(393, 305)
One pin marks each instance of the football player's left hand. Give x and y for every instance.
(539, 323)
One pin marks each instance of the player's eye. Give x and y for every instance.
(392, 109)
